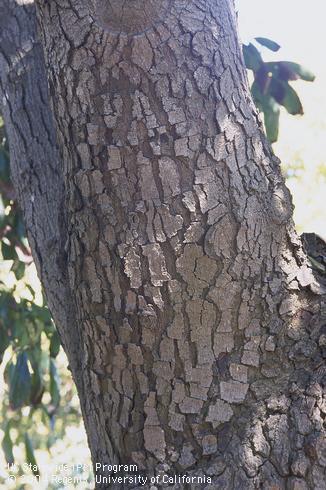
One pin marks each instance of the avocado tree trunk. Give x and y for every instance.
(195, 326)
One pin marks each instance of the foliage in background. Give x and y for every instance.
(29, 342)
(271, 88)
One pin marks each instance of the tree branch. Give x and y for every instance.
(36, 168)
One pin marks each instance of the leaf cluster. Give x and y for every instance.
(271, 88)
(29, 342)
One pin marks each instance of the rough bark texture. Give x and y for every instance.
(199, 323)
(36, 168)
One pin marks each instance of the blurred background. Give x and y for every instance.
(299, 28)
(40, 417)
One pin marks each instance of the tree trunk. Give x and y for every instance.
(36, 170)
(196, 321)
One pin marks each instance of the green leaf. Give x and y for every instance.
(4, 165)
(18, 226)
(20, 383)
(8, 251)
(8, 372)
(291, 101)
(271, 110)
(43, 313)
(287, 70)
(271, 120)
(299, 70)
(286, 96)
(5, 306)
(268, 43)
(277, 89)
(4, 341)
(55, 344)
(37, 388)
(35, 355)
(31, 290)
(54, 384)
(18, 269)
(252, 57)
(7, 446)
(262, 79)
(30, 458)
(44, 414)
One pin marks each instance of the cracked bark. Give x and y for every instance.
(195, 322)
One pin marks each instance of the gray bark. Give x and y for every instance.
(196, 325)
(36, 169)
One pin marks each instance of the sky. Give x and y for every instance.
(299, 27)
